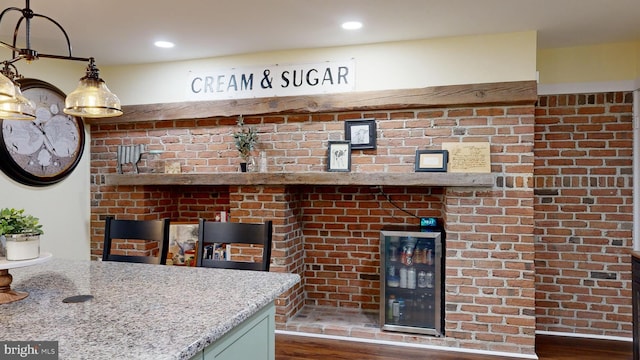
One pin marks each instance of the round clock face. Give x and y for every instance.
(45, 150)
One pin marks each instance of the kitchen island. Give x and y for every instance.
(140, 311)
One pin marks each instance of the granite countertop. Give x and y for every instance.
(139, 311)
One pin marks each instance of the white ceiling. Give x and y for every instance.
(123, 31)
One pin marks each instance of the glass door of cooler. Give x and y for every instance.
(411, 281)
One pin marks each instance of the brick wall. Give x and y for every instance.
(583, 213)
(179, 203)
(330, 235)
(342, 238)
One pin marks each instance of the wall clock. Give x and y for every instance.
(45, 150)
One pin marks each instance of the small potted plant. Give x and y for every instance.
(245, 140)
(20, 234)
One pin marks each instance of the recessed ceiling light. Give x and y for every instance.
(352, 25)
(164, 44)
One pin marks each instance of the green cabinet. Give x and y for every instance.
(253, 339)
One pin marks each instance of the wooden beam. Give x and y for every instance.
(313, 178)
(505, 93)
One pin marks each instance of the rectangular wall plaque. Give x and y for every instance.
(469, 157)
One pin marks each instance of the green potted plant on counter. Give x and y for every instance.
(20, 234)
(245, 140)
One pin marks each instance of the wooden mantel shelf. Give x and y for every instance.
(312, 178)
(514, 93)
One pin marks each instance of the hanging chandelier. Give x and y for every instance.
(91, 99)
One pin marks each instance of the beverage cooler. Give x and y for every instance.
(411, 294)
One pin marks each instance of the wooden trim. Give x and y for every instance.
(504, 93)
(313, 178)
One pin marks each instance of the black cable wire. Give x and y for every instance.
(381, 191)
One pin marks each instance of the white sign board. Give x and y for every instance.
(274, 80)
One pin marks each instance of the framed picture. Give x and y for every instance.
(339, 156)
(361, 133)
(183, 237)
(431, 160)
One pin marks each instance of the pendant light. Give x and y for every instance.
(17, 107)
(20, 108)
(7, 88)
(92, 98)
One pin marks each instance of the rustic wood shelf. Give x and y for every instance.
(514, 93)
(311, 178)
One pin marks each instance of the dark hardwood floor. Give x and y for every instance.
(291, 347)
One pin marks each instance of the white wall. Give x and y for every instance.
(64, 208)
(592, 68)
(593, 63)
(398, 65)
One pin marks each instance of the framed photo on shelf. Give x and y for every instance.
(431, 160)
(183, 237)
(339, 156)
(361, 133)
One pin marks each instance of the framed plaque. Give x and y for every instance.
(339, 156)
(469, 157)
(361, 133)
(431, 160)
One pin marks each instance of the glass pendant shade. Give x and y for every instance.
(20, 108)
(92, 99)
(7, 89)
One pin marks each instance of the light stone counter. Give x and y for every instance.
(139, 311)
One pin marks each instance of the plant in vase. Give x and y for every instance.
(245, 140)
(20, 234)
